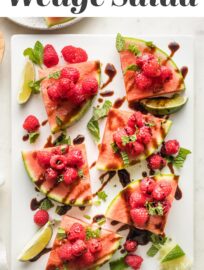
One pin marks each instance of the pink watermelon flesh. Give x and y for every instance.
(51, 21)
(176, 85)
(110, 242)
(119, 208)
(117, 119)
(78, 193)
(66, 111)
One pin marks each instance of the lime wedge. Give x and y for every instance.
(164, 106)
(37, 243)
(172, 257)
(28, 75)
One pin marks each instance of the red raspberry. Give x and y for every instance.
(78, 248)
(144, 136)
(50, 57)
(129, 130)
(156, 162)
(70, 175)
(58, 162)
(43, 158)
(137, 199)
(140, 61)
(94, 245)
(53, 92)
(117, 138)
(75, 158)
(76, 95)
(72, 54)
(51, 175)
(130, 245)
(41, 217)
(136, 119)
(166, 74)
(142, 81)
(134, 261)
(147, 186)
(86, 259)
(166, 206)
(170, 148)
(65, 85)
(90, 86)
(76, 232)
(70, 73)
(31, 124)
(135, 148)
(162, 190)
(65, 252)
(139, 216)
(152, 68)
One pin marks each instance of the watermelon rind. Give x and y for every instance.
(52, 21)
(119, 205)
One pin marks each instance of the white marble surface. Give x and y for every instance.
(111, 26)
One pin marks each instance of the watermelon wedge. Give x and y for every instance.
(129, 49)
(77, 193)
(67, 112)
(51, 21)
(109, 240)
(119, 208)
(108, 160)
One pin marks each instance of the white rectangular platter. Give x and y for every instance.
(181, 220)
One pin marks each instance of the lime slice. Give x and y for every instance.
(172, 257)
(164, 106)
(37, 243)
(28, 75)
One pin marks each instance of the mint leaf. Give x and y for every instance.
(150, 44)
(125, 158)
(98, 113)
(102, 195)
(128, 139)
(61, 234)
(133, 49)
(90, 233)
(36, 54)
(118, 264)
(55, 75)
(46, 204)
(35, 86)
(154, 210)
(114, 147)
(87, 216)
(157, 242)
(179, 160)
(132, 68)
(58, 121)
(120, 42)
(33, 137)
(80, 173)
(101, 221)
(153, 250)
(62, 139)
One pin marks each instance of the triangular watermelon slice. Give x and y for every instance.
(109, 240)
(119, 208)
(78, 193)
(128, 58)
(108, 160)
(66, 111)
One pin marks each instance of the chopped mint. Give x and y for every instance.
(55, 75)
(120, 42)
(153, 250)
(35, 86)
(150, 44)
(60, 178)
(114, 147)
(101, 221)
(90, 233)
(87, 216)
(152, 124)
(58, 121)
(98, 113)
(36, 54)
(179, 160)
(102, 195)
(118, 264)
(128, 139)
(62, 139)
(80, 173)
(61, 234)
(157, 242)
(33, 137)
(154, 210)
(97, 203)
(133, 49)
(132, 68)
(125, 158)
(46, 204)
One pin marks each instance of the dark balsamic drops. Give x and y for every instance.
(114, 223)
(110, 71)
(35, 204)
(142, 237)
(49, 142)
(107, 94)
(123, 228)
(173, 47)
(124, 177)
(62, 210)
(79, 139)
(119, 102)
(97, 218)
(184, 71)
(105, 179)
(144, 174)
(25, 137)
(44, 122)
(178, 194)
